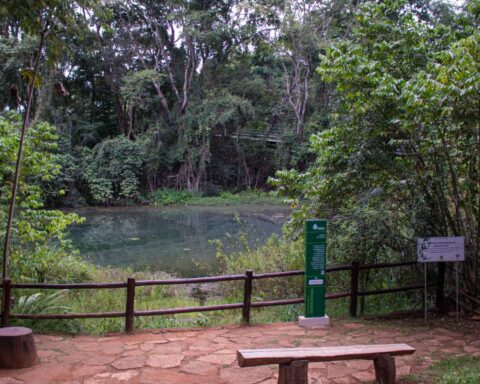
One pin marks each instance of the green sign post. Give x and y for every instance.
(315, 265)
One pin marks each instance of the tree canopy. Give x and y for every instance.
(401, 156)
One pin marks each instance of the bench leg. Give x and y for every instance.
(294, 373)
(385, 369)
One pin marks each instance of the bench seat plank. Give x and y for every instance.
(255, 357)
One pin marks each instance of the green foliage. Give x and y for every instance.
(173, 196)
(113, 170)
(40, 164)
(442, 124)
(242, 253)
(170, 197)
(49, 263)
(58, 12)
(39, 160)
(400, 158)
(218, 92)
(39, 303)
(40, 248)
(173, 95)
(135, 89)
(14, 56)
(220, 113)
(229, 198)
(400, 154)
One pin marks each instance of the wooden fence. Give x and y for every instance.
(130, 313)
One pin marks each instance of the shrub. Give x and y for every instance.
(170, 197)
(39, 250)
(113, 169)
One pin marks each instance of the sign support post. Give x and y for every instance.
(315, 276)
(425, 291)
(456, 283)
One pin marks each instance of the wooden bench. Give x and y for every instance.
(294, 361)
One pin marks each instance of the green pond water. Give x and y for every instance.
(171, 239)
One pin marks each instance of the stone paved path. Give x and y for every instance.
(207, 356)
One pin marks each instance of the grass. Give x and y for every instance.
(453, 370)
(151, 297)
(180, 197)
(275, 254)
(457, 370)
(170, 296)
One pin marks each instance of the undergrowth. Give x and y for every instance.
(181, 197)
(276, 254)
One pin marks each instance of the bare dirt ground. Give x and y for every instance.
(207, 355)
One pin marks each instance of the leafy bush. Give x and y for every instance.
(113, 170)
(49, 263)
(396, 161)
(39, 250)
(170, 197)
(41, 303)
(174, 196)
(275, 255)
(230, 198)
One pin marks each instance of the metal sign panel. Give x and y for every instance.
(315, 264)
(434, 249)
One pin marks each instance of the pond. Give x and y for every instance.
(170, 239)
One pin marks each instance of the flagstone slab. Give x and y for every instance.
(367, 376)
(196, 367)
(165, 361)
(99, 360)
(251, 375)
(344, 380)
(218, 359)
(166, 376)
(402, 371)
(101, 378)
(208, 356)
(87, 370)
(133, 352)
(335, 370)
(10, 380)
(359, 365)
(45, 374)
(196, 348)
(130, 362)
(167, 348)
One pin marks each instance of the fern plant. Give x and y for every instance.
(40, 303)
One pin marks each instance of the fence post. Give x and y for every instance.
(439, 304)
(247, 296)
(354, 288)
(130, 308)
(6, 298)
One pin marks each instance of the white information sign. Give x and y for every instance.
(433, 249)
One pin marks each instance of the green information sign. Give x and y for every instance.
(315, 265)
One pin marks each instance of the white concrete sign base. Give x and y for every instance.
(314, 321)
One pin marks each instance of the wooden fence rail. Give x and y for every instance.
(130, 313)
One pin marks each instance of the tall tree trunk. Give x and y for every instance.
(25, 125)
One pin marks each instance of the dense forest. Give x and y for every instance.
(202, 95)
(363, 112)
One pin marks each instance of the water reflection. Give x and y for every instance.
(168, 239)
